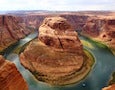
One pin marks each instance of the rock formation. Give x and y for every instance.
(111, 87)
(102, 30)
(10, 77)
(58, 34)
(35, 20)
(57, 56)
(10, 31)
(77, 21)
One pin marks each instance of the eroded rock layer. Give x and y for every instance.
(11, 31)
(102, 30)
(35, 20)
(57, 33)
(57, 56)
(10, 77)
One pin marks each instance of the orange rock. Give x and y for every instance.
(111, 87)
(11, 30)
(58, 33)
(101, 29)
(10, 77)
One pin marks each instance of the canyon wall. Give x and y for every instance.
(96, 26)
(93, 25)
(100, 26)
(11, 30)
(34, 21)
(10, 77)
(101, 30)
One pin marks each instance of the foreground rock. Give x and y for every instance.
(101, 30)
(111, 83)
(11, 31)
(111, 87)
(10, 77)
(57, 56)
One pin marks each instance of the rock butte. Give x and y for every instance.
(94, 25)
(91, 23)
(10, 77)
(57, 56)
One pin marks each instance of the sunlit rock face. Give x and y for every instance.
(11, 30)
(58, 34)
(93, 27)
(57, 56)
(10, 77)
(111, 87)
(101, 29)
(108, 34)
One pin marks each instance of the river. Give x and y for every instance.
(96, 79)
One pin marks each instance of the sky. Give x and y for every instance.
(57, 5)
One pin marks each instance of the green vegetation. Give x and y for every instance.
(8, 47)
(112, 81)
(91, 57)
(20, 49)
(104, 45)
(98, 43)
(87, 44)
(113, 50)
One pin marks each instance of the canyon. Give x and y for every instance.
(97, 26)
(52, 59)
(11, 31)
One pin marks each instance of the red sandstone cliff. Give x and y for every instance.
(77, 21)
(10, 77)
(11, 30)
(101, 29)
